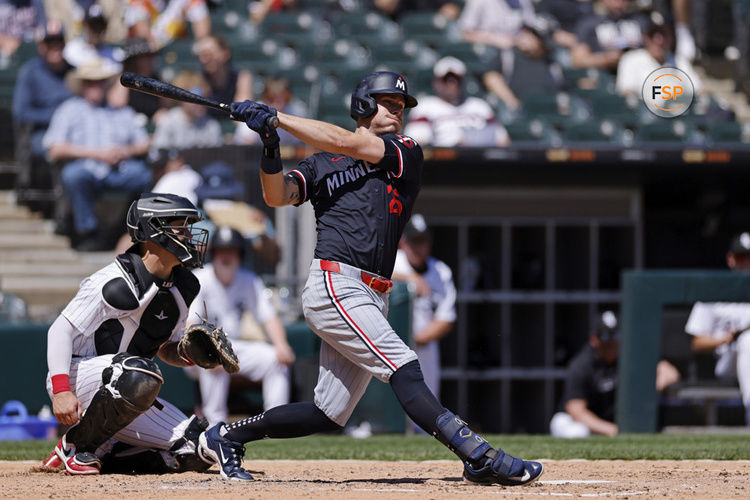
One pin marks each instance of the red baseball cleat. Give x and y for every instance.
(77, 464)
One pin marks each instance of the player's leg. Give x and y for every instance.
(340, 386)
(482, 463)
(743, 371)
(258, 363)
(126, 389)
(214, 387)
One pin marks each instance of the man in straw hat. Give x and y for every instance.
(98, 146)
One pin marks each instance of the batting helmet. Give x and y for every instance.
(227, 237)
(382, 82)
(152, 217)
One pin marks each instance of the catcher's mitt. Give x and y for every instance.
(207, 346)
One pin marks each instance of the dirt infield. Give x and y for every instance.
(283, 480)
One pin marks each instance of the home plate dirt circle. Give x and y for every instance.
(344, 479)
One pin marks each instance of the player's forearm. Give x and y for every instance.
(168, 354)
(578, 409)
(435, 330)
(332, 138)
(60, 346)
(278, 189)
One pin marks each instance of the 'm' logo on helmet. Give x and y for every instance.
(400, 84)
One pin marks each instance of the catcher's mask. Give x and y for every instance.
(167, 220)
(363, 103)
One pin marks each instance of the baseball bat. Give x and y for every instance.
(158, 88)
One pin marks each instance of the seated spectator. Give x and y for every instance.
(603, 39)
(174, 175)
(449, 118)
(722, 327)
(589, 394)
(161, 21)
(523, 70)
(221, 195)
(227, 83)
(90, 44)
(395, 8)
(19, 20)
(188, 125)
(138, 57)
(566, 14)
(276, 93)
(234, 298)
(495, 22)
(40, 87)
(99, 146)
(72, 14)
(635, 65)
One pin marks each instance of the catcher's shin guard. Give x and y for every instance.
(130, 386)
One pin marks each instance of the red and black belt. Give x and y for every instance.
(378, 284)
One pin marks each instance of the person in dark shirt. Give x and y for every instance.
(227, 83)
(590, 388)
(603, 39)
(362, 187)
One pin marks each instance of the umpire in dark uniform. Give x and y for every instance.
(363, 187)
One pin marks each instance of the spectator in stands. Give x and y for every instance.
(227, 83)
(395, 8)
(566, 14)
(99, 146)
(90, 44)
(188, 125)
(139, 58)
(523, 70)
(434, 307)
(40, 87)
(72, 14)
(277, 94)
(635, 65)
(589, 393)
(603, 39)
(722, 327)
(174, 174)
(19, 20)
(235, 299)
(495, 22)
(161, 21)
(222, 197)
(449, 118)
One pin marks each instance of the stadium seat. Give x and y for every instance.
(662, 131)
(593, 131)
(726, 133)
(290, 22)
(351, 24)
(535, 130)
(343, 120)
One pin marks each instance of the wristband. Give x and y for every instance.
(270, 164)
(60, 383)
(271, 151)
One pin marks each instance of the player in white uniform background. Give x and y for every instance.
(235, 299)
(434, 307)
(722, 327)
(449, 118)
(103, 381)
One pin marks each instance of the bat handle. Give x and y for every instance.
(272, 122)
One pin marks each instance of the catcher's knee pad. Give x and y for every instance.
(459, 438)
(130, 386)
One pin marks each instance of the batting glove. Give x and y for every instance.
(256, 115)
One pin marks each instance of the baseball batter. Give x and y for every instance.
(230, 293)
(362, 187)
(102, 378)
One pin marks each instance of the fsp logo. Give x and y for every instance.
(400, 84)
(668, 92)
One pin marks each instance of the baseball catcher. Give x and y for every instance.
(363, 187)
(101, 349)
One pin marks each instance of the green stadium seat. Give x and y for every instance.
(725, 132)
(343, 120)
(593, 131)
(673, 130)
(290, 22)
(534, 130)
(351, 24)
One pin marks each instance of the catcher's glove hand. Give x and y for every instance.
(207, 346)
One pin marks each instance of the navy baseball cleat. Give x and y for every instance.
(228, 454)
(503, 469)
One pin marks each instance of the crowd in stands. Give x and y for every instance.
(489, 73)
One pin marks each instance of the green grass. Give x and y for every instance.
(627, 447)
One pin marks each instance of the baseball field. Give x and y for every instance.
(411, 467)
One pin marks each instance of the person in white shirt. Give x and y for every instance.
(235, 299)
(722, 327)
(450, 118)
(434, 308)
(635, 65)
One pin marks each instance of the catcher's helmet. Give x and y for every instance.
(382, 82)
(152, 218)
(227, 237)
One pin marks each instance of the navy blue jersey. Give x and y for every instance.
(361, 208)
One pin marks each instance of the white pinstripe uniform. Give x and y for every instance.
(100, 326)
(258, 361)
